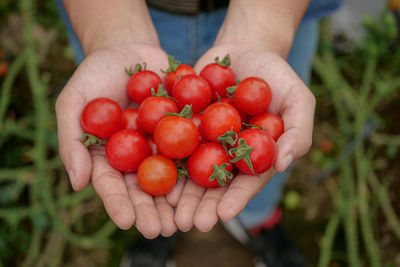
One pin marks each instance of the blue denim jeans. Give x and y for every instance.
(187, 38)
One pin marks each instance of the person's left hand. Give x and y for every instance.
(291, 99)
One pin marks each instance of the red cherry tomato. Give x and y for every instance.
(192, 90)
(126, 149)
(196, 119)
(176, 137)
(171, 77)
(153, 109)
(140, 84)
(219, 76)
(152, 145)
(271, 122)
(252, 96)
(218, 118)
(202, 160)
(130, 121)
(264, 151)
(101, 117)
(157, 175)
(229, 100)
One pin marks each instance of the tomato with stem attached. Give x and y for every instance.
(220, 76)
(140, 83)
(218, 118)
(176, 136)
(157, 175)
(209, 166)
(153, 109)
(175, 71)
(255, 151)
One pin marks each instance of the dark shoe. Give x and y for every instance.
(151, 253)
(276, 249)
(269, 242)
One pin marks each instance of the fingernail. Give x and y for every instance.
(71, 175)
(288, 161)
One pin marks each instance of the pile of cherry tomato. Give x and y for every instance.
(204, 126)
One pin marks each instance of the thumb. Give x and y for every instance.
(73, 153)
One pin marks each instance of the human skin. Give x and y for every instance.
(116, 34)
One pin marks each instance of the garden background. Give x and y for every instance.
(341, 205)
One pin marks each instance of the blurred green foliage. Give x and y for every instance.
(44, 223)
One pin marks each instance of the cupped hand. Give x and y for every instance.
(102, 74)
(291, 99)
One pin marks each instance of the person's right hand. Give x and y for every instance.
(102, 74)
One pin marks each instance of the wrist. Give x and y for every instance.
(94, 39)
(111, 23)
(268, 25)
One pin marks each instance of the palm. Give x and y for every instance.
(291, 99)
(102, 75)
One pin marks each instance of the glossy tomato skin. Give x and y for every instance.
(157, 175)
(152, 145)
(101, 117)
(264, 151)
(126, 149)
(140, 84)
(218, 118)
(171, 77)
(130, 121)
(202, 160)
(176, 137)
(271, 122)
(196, 119)
(252, 96)
(153, 109)
(229, 100)
(192, 90)
(219, 78)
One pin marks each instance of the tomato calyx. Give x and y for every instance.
(186, 112)
(242, 151)
(138, 67)
(254, 126)
(160, 91)
(91, 140)
(225, 62)
(221, 174)
(181, 169)
(182, 172)
(229, 137)
(173, 64)
(231, 91)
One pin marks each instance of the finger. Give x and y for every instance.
(298, 117)
(206, 214)
(110, 186)
(173, 196)
(240, 191)
(147, 218)
(166, 213)
(73, 153)
(187, 205)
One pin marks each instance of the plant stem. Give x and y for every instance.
(362, 164)
(328, 239)
(15, 67)
(384, 201)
